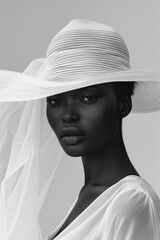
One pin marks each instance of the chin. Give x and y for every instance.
(72, 152)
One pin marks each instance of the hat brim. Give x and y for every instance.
(15, 86)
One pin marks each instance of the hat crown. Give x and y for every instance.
(86, 48)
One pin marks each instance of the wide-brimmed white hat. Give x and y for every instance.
(83, 53)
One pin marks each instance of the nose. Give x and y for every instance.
(70, 115)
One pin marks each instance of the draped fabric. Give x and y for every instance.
(128, 210)
(29, 157)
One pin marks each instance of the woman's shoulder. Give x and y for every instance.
(140, 186)
(133, 213)
(135, 196)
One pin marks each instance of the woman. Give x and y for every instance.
(88, 123)
(88, 87)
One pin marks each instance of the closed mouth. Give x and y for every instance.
(72, 131)
(72, 135)
(73, 139)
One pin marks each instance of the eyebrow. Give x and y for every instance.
(94, 87)
(88, 88)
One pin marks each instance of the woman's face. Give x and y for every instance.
(92, 113)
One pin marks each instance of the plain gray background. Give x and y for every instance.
(26, 29)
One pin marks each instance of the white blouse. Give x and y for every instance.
(128, 210)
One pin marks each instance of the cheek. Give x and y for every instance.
(103, 125)
(51, 118)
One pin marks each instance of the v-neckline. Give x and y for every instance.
(53, 233)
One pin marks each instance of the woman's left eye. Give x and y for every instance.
(89, 99)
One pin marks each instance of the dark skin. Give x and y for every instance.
(98, 111)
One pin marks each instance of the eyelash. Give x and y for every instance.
(95, 99)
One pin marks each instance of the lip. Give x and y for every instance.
(72, 140)
(72, 132)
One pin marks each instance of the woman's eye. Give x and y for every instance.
(55, 102)
(89, 99)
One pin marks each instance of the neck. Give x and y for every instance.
(107, 165)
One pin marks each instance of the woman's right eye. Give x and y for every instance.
(55, 101)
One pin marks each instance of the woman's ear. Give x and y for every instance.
(125, 105)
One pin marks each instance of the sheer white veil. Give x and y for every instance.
(30, 154)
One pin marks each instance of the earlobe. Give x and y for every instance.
(126, 105)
